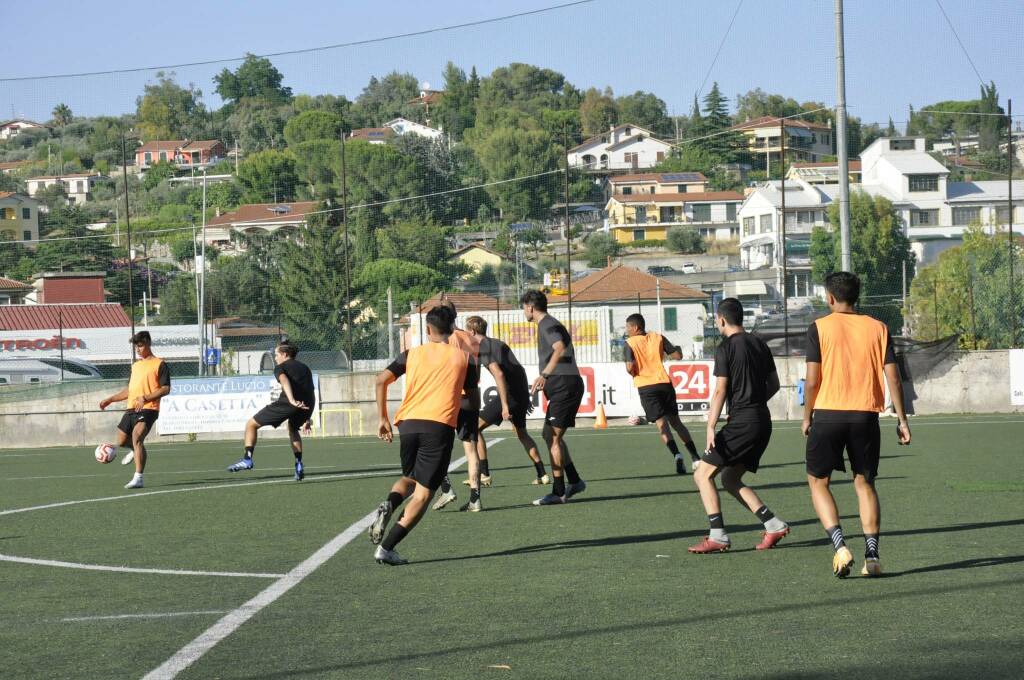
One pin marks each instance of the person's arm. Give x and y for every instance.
(627, 354)
(286, 386)
(771, 384)
(671, 351)
(812, 381)
(384, 379)
(717, 403)
(892, 377)
(502, 385)
(120, 396)
(557, 350)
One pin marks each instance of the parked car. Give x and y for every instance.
(45, 370)
(689, 268)
(661, 270)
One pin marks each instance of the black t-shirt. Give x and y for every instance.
(397, 369)
(550, 331)
(747, 362)
(495, 351)
(163, 375)
(301, 380)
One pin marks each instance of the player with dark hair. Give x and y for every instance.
(746, 380)
(849, 360)
(645, 360)
(562, 385)
(294, 405)
(494, 351)
(149, 382)
(438, 375)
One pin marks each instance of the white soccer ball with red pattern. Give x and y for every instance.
(635, 420)
(106, 453)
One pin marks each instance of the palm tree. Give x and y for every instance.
(62, 115)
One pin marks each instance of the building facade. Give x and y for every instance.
(182, 153)
(77, 187)
(19, 217)
(625, 147)
(804, 141)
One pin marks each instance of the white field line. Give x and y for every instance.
(193, 651)
(151, 448)
(155, 615)
(160, 473)
(131, 570)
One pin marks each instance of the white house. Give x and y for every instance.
(404, 126)
(257, 218)
(626, 147)
(77, 186)
(13, 128)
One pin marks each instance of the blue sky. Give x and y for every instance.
(899, 52)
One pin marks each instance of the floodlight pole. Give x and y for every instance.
(348, 266)
(782, 239)
(568, 229)
(844, 162)
(1009, 231)
(128, 228)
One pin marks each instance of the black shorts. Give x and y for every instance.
(827, 440)
(518, 409)
(658, 401)
(468, 428)
(132, 418)
(426, 450)
(276, 413)
(740, 442)
(565, 394)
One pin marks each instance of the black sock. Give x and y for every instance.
(558, 486)
(764, 514)
(673, 448)
(474, 495)
(298, 455)
(835, 534)
(485, 469)
(446, 485)
(394, 536)
(249, 450)
(539, 467)
(692, 449)
(570, 472)
(871, 545)
(395, 499)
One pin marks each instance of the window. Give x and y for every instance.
(81, 186)
(766, 224)
(1002, 214)
(26, 235)
(824, 139)
(730, 212)
(702, 212)
(639, 234)
(147, 158)
(641, 214)
(660, 156)
(163, 155)
(965, 216)
(26, 213)
(651, 190)
(798, 284)
(681, 188)
(632, 158)
(923, 182)
(924, 218)
(627, 191)
(668, 214)
(671, 320)
(7, 213)
(901, 145)
(748, 226)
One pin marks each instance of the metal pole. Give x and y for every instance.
(128, 228)
(970, 295)
(348, 266)
(1009, 231)
(202, 291)
(844, 164)
(661, 315)
(391, 329)
(935, 304)
(568, 229)
(60, 332)
(904, 310)
(782, 234)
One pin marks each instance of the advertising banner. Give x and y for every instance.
(218, 404)
(1017, 377)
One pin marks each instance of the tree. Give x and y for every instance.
(314, 166)
(967, 292)
(256, 77)
(268, 176)
(533, 236)
(410, 283)
(599, 248)
(313, 125)
(724, 145)
(510, 154)
(167, 110)
(879, 249)
(457, 109)
(757, 103)
(646, 110)
(484, 281)
(157, 173)
(521, 91)
(415, 242)
(387, 98)
(686, 240)
(62, 115)
(257, 126)
(178, 300)
(598, 112)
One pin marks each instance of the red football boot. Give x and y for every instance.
(708, 546)
(770, 538)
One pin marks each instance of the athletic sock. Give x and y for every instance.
(835, 534)
(692, 449)
(673, 448)
(769, 520)
(446, 485)
(558, 486)
(249, 450)
(570, 472)
(394, 536)
(871, 545)
(539, 467)
(717, 523)
(485, 469)
(298, 455)
(474, 495)
(395, 499)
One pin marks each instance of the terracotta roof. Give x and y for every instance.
(70, 175)
(265, 213)
(371, 133)
(773, 121)
(46, 317)
(661, 177)
(21, 120)
(464, 302)
(854, 165)
(689, 197)
(11, 165)
(11, 284)
(5, 194)
(175, 144)
(619, 283)
(428, 97)
(587, 142)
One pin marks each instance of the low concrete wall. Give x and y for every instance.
(68, 415)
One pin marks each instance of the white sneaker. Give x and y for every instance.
(385, 556)
(135, 483)
(128, 458)
(696, 464)
(444, 499)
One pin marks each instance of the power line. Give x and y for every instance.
(355, 43)
(961, 42)
(720, 45)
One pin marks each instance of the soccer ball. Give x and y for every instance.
(106, 453)
(635, 420)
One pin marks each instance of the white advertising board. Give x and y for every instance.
(1017, 377)
(100, 345)
(218, 404)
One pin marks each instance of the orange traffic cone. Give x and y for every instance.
(601, 422)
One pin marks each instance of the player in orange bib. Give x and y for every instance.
(645, 356)
(150, 381)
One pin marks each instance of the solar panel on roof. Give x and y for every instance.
(681, 177)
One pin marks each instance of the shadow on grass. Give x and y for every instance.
(235, 477)
(803, 462)
(962, 564)
(972, 526)
(703, 619)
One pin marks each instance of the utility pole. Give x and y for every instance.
(348, 266)
(128, 228)
(1009, 231)
(568, 229)
(782, 239)
(844, 162)
(201, 303)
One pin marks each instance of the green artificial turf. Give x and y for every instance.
(600, 588)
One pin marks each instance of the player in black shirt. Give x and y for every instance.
(746, 379)
(560, 379)
(520, 403)
(295, 404)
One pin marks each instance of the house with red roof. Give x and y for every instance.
(805, 141)
(183, 153)
(257, 218)
(623, 147)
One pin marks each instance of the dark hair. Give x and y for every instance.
(441, 319)
(142, 338)
(843, 286)
(731, 310)
(447, 302)
(537, 299)
(477, 324)
(287, 348)
(637, 320)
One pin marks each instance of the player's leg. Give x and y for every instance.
(530, 446)
(415, 508)
(864, 451)
(717, 539)
(774, 528)
(481, 453)
(400, 490)
(662, 424)
(473, 468)
(123, 438)
(249, 444)
(295, 436)
(825, 444)
(139, 433)
(684, 435)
